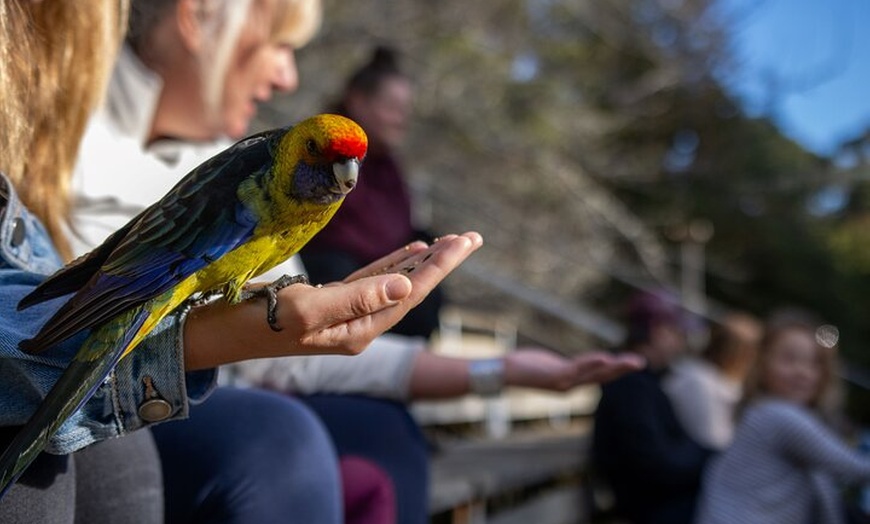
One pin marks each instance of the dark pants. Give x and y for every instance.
(249, 456)
(384, 433)
(117, 480)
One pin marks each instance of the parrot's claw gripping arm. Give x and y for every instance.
(270, 291)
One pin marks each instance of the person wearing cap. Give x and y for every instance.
(639, 448)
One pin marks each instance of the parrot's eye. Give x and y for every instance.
(311, 146)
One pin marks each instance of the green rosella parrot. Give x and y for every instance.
(234, 217)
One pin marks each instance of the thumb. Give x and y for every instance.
(351, 322)
(364, 296)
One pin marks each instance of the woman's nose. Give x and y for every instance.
(286, 76)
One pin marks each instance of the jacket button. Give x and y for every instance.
(19, 231)
(153, 408)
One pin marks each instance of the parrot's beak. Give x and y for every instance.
(346, 173)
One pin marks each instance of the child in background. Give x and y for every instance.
(784, 463)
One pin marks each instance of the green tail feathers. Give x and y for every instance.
(73, 388)
(94, 361)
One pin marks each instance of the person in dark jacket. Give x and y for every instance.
(639, 447)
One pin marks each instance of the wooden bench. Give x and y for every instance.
(527, 477)
(499, 470)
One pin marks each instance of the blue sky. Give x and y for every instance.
(805, 63)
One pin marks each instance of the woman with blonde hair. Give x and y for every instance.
(53, 70)
(784, 464)
(186, 83)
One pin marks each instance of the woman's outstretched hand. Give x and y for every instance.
(544, 369)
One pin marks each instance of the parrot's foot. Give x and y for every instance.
(204, 298)
(270, 291)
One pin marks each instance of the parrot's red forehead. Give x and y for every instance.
(350, 145)
(346, 138)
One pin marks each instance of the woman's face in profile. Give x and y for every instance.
(258, 67)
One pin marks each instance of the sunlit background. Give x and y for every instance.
(715, 148)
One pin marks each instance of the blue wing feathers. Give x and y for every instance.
(197, 222)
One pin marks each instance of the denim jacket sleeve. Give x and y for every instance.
(152, 375)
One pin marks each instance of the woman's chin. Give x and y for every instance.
(237, 132)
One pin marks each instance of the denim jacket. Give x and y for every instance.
(154, 372)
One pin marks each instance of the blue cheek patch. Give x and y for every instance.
(313, 183)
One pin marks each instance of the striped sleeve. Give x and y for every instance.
(804, 439)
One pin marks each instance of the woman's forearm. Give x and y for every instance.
(219, 333)
(342, 318)
(435, 376)
(329, 320)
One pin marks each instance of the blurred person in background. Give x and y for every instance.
(377, 218)
(784, 464)
(705, 389)
(640, 449)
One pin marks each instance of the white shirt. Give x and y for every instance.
(117, 174)
(704, 401)
(382, 370)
